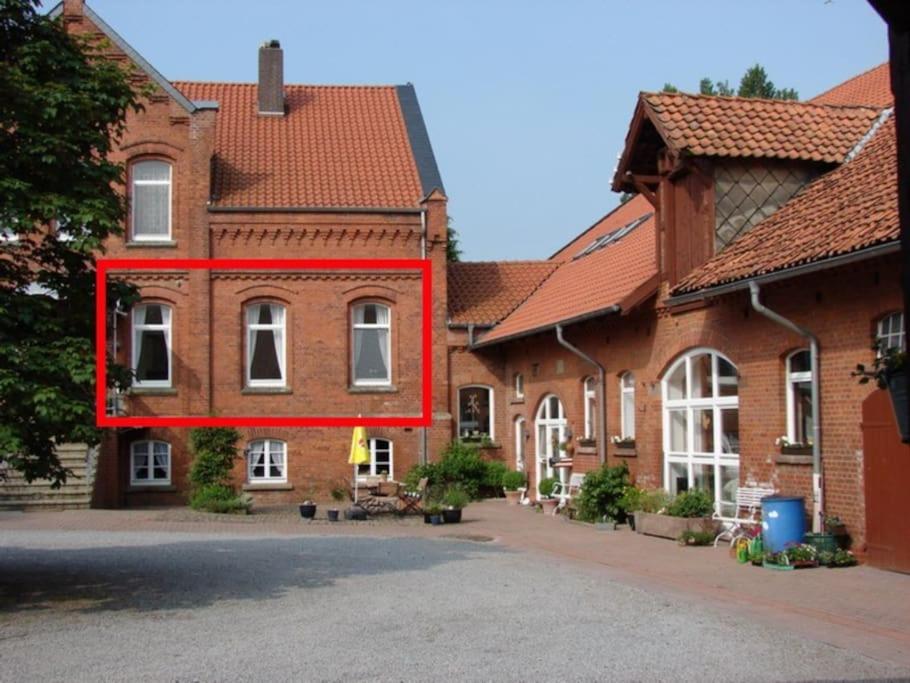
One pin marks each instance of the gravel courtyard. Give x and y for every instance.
(79, 605)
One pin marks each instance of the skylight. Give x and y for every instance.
(612, 236)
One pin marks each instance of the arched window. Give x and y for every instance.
(701, 427)
(266, 342)
(519, 428)
(151, 345)
(371, 346)
(475, 413)
(799, 398)
(150, 463)
(890, 332)
(627, 405)
(590, 404)
(519, 385)
(550, 425)
(381, 459)
(267, 461)
(150, 216)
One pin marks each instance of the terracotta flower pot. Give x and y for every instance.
(549, 505)
(513, 497)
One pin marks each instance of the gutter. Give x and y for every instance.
(817, 477)
(804, 269)
(314, 209)
(601, 393)
(615, 308)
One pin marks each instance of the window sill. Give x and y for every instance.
(155, 244)
(151, 488)
(789, 459)
(264, 486)
(372, 389)
(625, 452)
(517, 401)
(246, 391)
(152, 391)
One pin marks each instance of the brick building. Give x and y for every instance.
(272, 170)
(647, 339)
(641, 342)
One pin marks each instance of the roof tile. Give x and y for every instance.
(484, 293)
(871, 88)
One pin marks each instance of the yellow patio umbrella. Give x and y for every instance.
(360, 453)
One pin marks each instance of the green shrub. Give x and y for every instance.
(654, 500)
(512, 481)
(690, 537)
(456, 498)
(600, 494)
(545, 486)
(692, 503)
(219, 498)
(461, 464)
(214, 449)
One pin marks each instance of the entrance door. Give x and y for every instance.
(886, 466)
(551, 431)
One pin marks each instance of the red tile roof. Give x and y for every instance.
(486, 292)
(338, 146)
(617, 217)
(872, 88)
(620, 274)
(850, 208)
(747, 127)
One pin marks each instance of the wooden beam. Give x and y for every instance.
(645, 191)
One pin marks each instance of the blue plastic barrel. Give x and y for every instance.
(783, 521)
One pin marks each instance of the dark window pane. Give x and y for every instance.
(371, 349)
(799, 362)
(153, 315)
(474, 407)
(265, 356)
(265, 315)
(153, 361)
(369, 314)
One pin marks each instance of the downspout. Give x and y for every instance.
(601, 391)
(817, 479)
(424, 456)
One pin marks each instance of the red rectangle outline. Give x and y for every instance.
(104, 265)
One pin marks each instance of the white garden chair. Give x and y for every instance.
(748, 512)
(565, 491)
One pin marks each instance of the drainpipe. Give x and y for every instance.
(817, 479)
(601, 391)
(424, 456)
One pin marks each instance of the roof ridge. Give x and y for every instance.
(849, 80)
(353, 86)
(502, 261)
(767, 100)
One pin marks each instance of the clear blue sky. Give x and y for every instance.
(527, 102)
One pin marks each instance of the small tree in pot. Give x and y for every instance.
(454, 501)
(511, 483)
(545, 489)
(889, 370)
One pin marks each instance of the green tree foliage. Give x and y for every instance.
(453, 252)
(601, 492)
(214, 450)
(62, 108)
(754, 83)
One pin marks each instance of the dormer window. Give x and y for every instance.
(150, 217)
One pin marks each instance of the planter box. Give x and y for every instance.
(666, 526)
(796, 450)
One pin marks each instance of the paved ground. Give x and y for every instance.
(256, 600)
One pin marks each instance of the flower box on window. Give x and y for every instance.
(796, 449)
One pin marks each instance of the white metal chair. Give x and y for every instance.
(748, 512)
(565, 491)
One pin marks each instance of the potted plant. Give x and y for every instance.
(788, 447)
(434, 513)
(454, 500)
(512, 483)
(690, 511)
(779, 561)
(545, 488)
(339, 493)
(630, 502)
(802, 555)
(842, 558)
(308, 507)
(889, 370)
(836, 527)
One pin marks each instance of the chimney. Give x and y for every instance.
(271, 79)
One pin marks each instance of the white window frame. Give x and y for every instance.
(792, 379)
(491, 397)
(151, 464)
(901, 334)
(253, 328)
(170, 201)
(589, 397)
(371, 382)
(626, 418)
(371, 445)
(518, 424)
(519, 382)
(138, 329)
(689, 405)
(267, 478)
